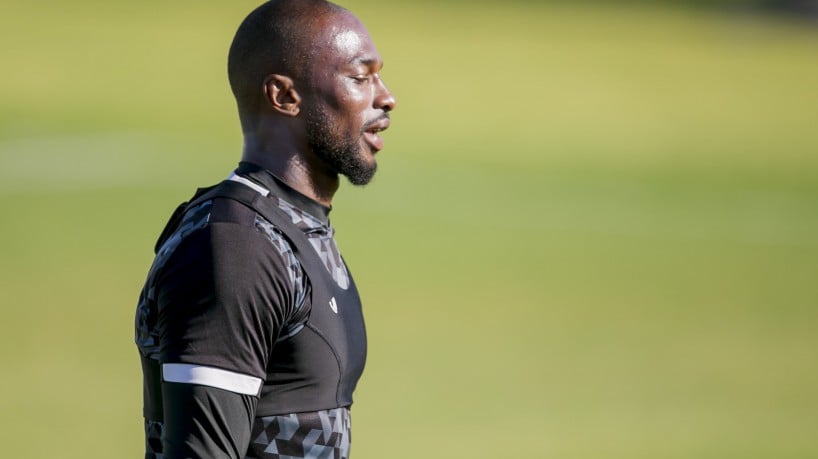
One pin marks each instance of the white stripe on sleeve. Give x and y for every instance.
(212, 377)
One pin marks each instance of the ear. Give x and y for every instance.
(279, 90)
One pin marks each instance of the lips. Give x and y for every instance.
(372, 129)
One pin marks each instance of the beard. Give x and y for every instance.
(343, 153)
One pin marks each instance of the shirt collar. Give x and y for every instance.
(279, 188)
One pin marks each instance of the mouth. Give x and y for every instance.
(372, 129)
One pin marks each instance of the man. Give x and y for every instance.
(249, 325)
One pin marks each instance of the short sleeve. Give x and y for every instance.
(223, 297)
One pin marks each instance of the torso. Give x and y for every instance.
(318, 356)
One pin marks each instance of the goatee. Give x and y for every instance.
(342, 153)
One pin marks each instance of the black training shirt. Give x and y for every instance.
(226, 292)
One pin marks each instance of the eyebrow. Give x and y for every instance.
(367, 61)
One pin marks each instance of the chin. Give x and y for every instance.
(361, 172)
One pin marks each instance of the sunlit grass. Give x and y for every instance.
(594, 232)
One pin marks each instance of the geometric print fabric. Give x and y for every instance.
(322, 239)
(316, 435)
(153, 439)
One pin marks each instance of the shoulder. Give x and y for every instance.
(227, 251)
(228, 238)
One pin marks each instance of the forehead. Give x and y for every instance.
(344, 40)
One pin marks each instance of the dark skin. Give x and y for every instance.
(305, 75)
(344, 91)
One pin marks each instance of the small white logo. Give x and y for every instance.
(333, 305)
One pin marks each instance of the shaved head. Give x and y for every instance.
(278, 37)
(306, 77)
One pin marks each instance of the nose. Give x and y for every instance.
(383, 97)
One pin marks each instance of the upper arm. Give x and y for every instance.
(204, 422)
(223, 298)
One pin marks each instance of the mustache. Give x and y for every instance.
(371, 123)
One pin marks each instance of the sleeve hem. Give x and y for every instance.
(212, 377)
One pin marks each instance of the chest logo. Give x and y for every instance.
(333, 305)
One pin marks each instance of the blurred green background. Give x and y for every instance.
(594, 233)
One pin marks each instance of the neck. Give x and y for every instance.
(292, 162)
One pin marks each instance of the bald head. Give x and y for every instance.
(312, 104)
(278, 37)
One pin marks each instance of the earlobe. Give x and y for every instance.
(279, 90)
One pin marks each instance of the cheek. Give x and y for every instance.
(351, 112)
(351, 108)
(350, 96)
(347, 103)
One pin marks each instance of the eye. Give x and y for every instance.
(360, 79)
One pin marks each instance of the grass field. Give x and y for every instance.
(594, 233)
